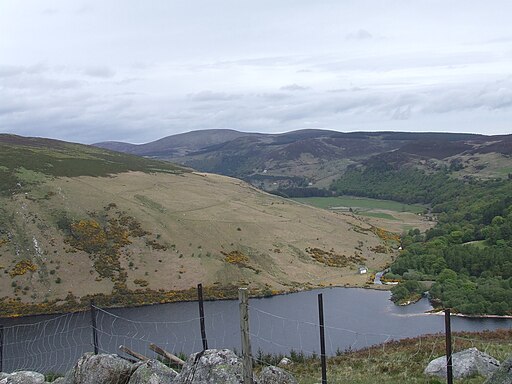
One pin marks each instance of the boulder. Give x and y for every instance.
(102, 368)
(274, 375)
(153, 372)
(467, 363)
(22, 377)
(503, 375)
(211, 366)
(285, 362)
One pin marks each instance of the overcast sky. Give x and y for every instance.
(136, 71)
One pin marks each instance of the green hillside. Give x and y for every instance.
(24, 161)
(78, 222)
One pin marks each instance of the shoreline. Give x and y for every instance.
(190, 295)
(214, 294)
(440, 312)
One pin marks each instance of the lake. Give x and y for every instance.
(355, 318)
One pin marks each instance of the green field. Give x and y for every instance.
(379, 215)
(360, 203)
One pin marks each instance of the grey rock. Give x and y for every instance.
(211, 367)
(274, 375)
(503, 375)
(23, 377)
(467, 363)
(102, 368)
(153, 372)
(285, 362)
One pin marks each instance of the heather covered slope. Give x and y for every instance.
(315, 158)
(77, 221)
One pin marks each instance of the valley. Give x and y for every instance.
(131, 237)
(146, 230)
(462, 245)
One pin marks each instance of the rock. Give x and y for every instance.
(285, 362)
(212, 366)
(467, 363)
(274, 375)
(503, 375)
(102, 368)
(23, 377)
(153, 372)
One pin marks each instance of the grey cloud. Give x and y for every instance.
(212, 96)
(293, 87)
(49, 11)
(402, 113)
(271, 96)
(39, 83)
(361, 34)
(494, 96)
(99, 71)
(16, 70)
(86, 8)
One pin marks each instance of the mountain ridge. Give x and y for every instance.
(315, 158)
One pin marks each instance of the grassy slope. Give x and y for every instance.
(400, 361)
(157, 234)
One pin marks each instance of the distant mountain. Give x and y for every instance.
(315, 158)
(177, 145)
(78, 222)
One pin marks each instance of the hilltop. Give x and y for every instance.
(79, 221)
(315, 158)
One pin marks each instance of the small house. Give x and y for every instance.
(363, 270)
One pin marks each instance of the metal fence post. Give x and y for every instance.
(322, 337)
(201, 316)
(448, 333)
(94, 328)
(243, 297)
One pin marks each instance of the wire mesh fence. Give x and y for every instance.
(55, 344)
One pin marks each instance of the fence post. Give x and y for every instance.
(243, 297)
(448, 333)
(322, 337)
(201, 315)
(94, 328)
(1, 348)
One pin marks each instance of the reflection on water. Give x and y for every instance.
(354, 319)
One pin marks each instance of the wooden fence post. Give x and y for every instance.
(94, 328)
(448, 333)
(243, 297)
(322, 337)
(201, 316)
(1, 348)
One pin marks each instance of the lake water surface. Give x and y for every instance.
(354, 318)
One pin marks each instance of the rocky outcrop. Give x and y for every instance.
(467, 363)
(102, 368)
(212, 366)
(274, 375)
(208, 367)
(285, 362)
(503, 375)
(22, 377)
(153, 372)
